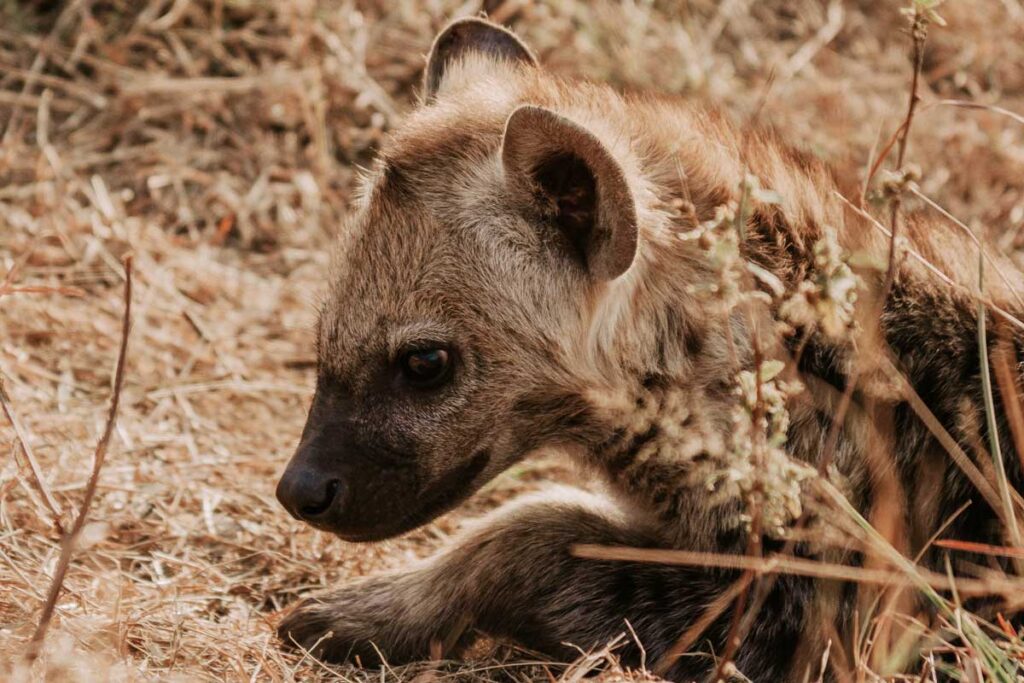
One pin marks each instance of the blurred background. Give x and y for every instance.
(218, 141)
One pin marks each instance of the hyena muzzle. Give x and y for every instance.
(516, 277)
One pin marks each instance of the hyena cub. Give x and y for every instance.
(516, 277)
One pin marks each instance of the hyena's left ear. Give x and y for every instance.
(562, 168)
(467, 36)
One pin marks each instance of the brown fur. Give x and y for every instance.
(568, 299)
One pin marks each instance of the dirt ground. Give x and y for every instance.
(217, 141)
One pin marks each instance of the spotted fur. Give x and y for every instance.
(534, 225)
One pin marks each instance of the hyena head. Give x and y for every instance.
(489, 232)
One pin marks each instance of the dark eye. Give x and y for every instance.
(426, 368)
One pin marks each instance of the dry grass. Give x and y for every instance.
(216, 141)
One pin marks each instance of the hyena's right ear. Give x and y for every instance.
(559, 169)
(466, 36)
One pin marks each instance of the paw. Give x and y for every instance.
(363, 624)
(312, 627)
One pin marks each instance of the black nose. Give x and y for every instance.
(307, 493)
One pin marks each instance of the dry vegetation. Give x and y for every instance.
(216, 141)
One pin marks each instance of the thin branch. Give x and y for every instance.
(754, 504)
(979, 548)
(876, 162)
(41, 289)
(907, 575)
(71, 538)
(991, 420)
(1003, 361)
(968, 291)
(825, 34)
(1012, 288)
(984, 107)
(22, 441)
(702, 624)
(919, 33)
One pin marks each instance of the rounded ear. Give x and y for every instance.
(470, 35)
(563, 169)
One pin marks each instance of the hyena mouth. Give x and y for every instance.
(453, 488)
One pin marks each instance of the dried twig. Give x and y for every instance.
(26, 448)
(919, 33)
(1013, 289)
(1004, 359)
(703, 623)
(984, 107)
(71, 538)
(41, 289)
(783, 564)
(991, 418)
(825, 35)
(964, 289)
(754, 545)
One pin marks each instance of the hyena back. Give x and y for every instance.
(517, 277)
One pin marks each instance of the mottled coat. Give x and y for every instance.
(529, 230)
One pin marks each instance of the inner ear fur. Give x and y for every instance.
(470, 35)
(562, 168)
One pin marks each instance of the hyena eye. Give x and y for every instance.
(426, 368)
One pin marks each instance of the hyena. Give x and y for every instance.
(515, 278)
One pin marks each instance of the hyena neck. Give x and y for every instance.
(657, 426)
(655, 444)
(669, 356)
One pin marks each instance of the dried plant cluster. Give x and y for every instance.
(217, 141)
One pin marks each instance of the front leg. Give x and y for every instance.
(392, 617)
(492, 578)
(514, 576)
(491, 567)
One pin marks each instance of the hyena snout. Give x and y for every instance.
(310, 492)
(344, 482)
